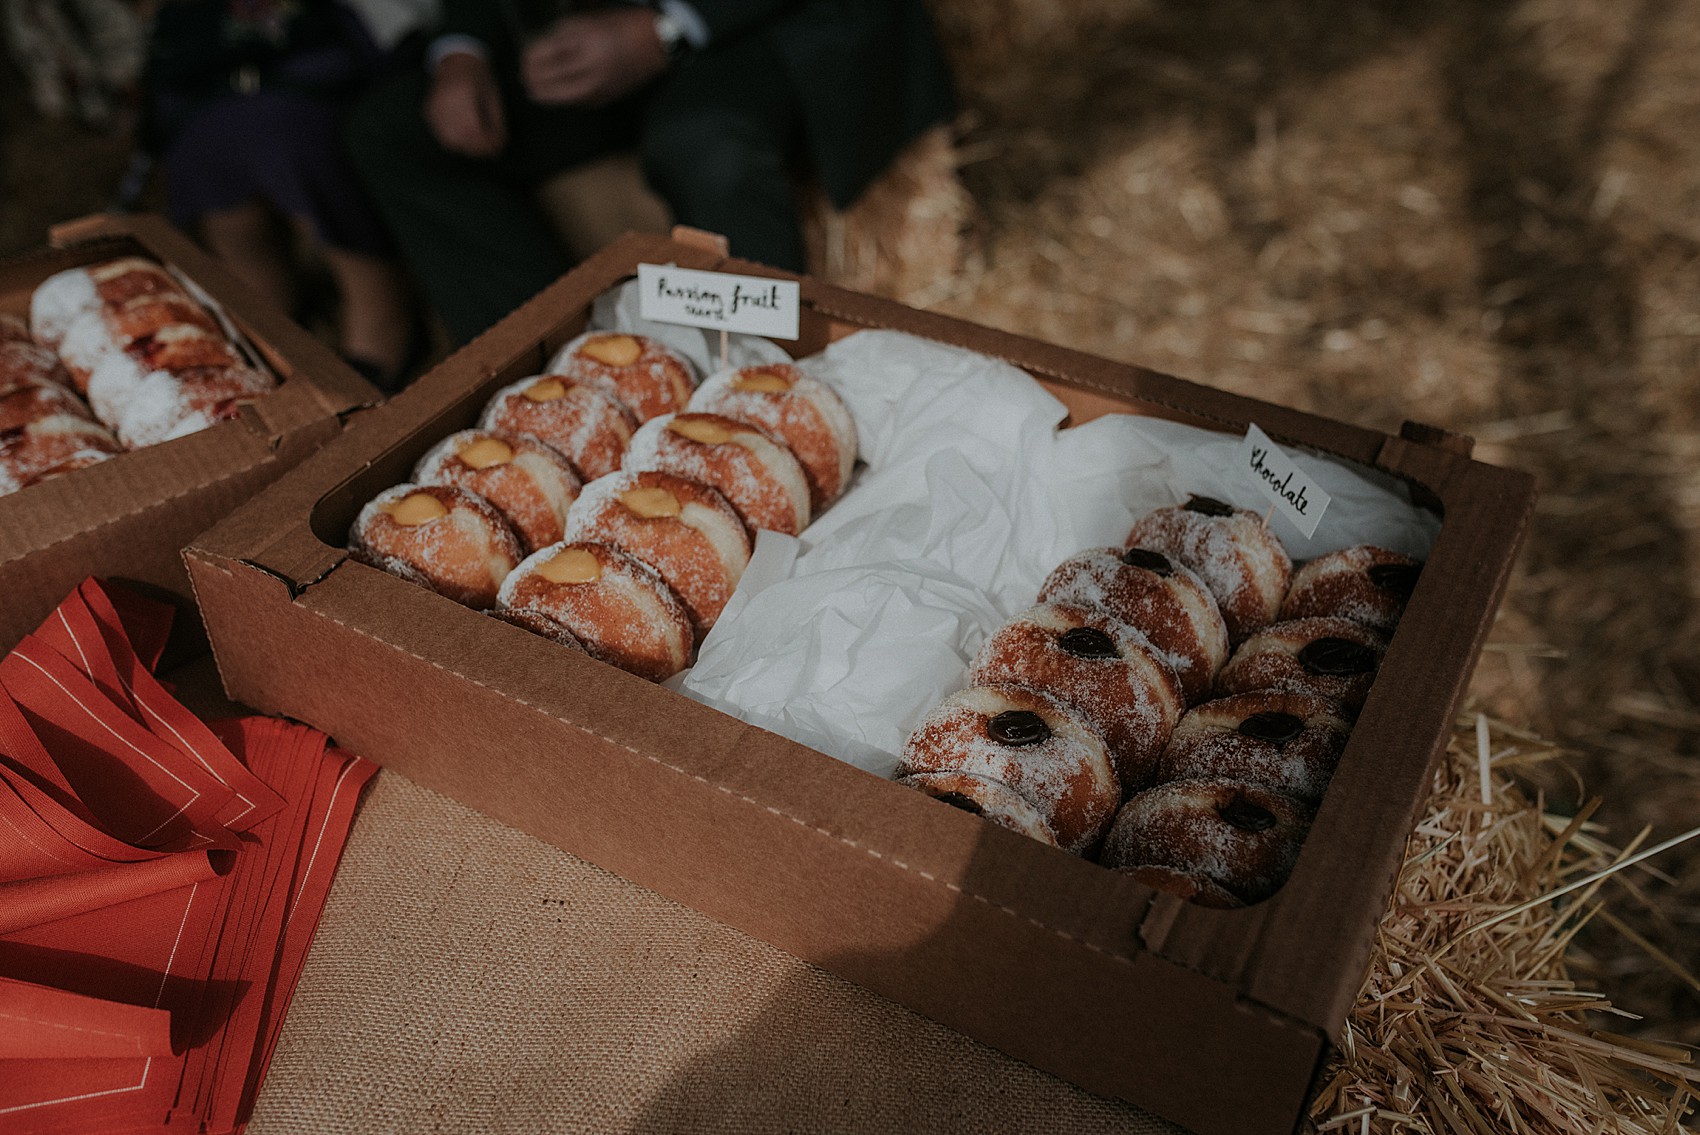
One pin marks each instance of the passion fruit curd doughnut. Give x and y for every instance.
(757, 475)
(1324, 657)
(990, 799)
(47, 447)
(648, 377)
(530, 483)
(576, 418)
(1240, 837)
(1231, 550)
(794, 407)
(611, 602)
(1161, 597)
(1283, 741)
(1365, 584)
(683, 529)
(440, 536)
(1029, 742)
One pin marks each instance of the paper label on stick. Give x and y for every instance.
(719, 301)
(1295, 496)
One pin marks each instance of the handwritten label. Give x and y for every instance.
(1295, 495)
(719, 301)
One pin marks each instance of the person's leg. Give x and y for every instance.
(374, 317)
(253, 242)
(716, 143)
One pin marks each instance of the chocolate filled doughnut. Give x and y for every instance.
(47, 447)
(1230, 549)
(33, 403)
(1240, 837)
(683, 529)
(611, 602)
(793, 407)
(439, 536)
(1283, 741)
(990, 799)
(167, 404)
(538, 624)
(1029, 742)
(1324, 657)
(529, 482)
(1365, 584)
(578, 419)
(1161, 597)
(645, 375)
(758, 476)
(1100, 667)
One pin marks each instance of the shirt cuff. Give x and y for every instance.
(690, 21)
(454, 44)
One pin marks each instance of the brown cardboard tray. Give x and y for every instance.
(129, 517)
(1215, 1019)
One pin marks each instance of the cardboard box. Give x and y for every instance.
(129, 517)
(1215, 1019)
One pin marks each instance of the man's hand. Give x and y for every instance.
(464, 108)
(593, 58)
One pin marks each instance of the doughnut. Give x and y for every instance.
(1029, 742)
(991, 799)
(33, 403)
(757, 475)
(166, 405)
(795, 408)
(647, 377)
(1231, 550)
(1240, 837)
(13, 329)
(538, 624)
(1098, 666)
(64, 296)
(1192, 886)
(1326, 657)
(25, 364)
(530, 483)
(1161, 597)
(50, 446)
(578, 419)
(91, 347)
(684, 530)
(1365, 584)
(439, 536)
(1287, 742)
(611, 602)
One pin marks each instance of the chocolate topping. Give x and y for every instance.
(1395, 579)
(1018, 728)
(1151, 561)
(1209, 506)
(1246, 816)
(957, 800)
(1340, 656)
(1087, 642)
(1274, 727)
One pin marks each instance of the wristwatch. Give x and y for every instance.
(671, 33)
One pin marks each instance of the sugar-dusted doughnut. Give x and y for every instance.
(990, 799)
(794, 407)
(47, 447)
(1284, 741)
(1365, 584)
(1030, 742)
(757, 475)
(33, 403)
(578, 419)
(1161, 597)
(440, 536)
(1193, 886)
(26, 364)
(1326, 657)
(538, 624)
(1241, 837)
(683, 529)
(1100, 667)
(166, 405)
(65, 296)
(529, 482)
(13, 329)
(648, 377)
(1232, 550)
(91, 347)
(611, 602)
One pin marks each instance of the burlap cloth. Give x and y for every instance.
(468, 978)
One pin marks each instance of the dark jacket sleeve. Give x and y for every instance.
(729, 18)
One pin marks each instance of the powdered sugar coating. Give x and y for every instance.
(1185, 825)
(758, 476)
(533, 489)
(1344, 584)
(33, 403)
(47, 447)
(1270, 660)
(585, 423)
(1238, 558)
(1067, 777)
(57, 302)
(1131, 698)
(166, 405)
(808, 417)
(660, 381)
(701, 553)
(1174, 610)
(626, 617)
(464, 554)
(1207, 744)
(989, 799)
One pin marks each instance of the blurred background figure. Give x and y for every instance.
(77, 56)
